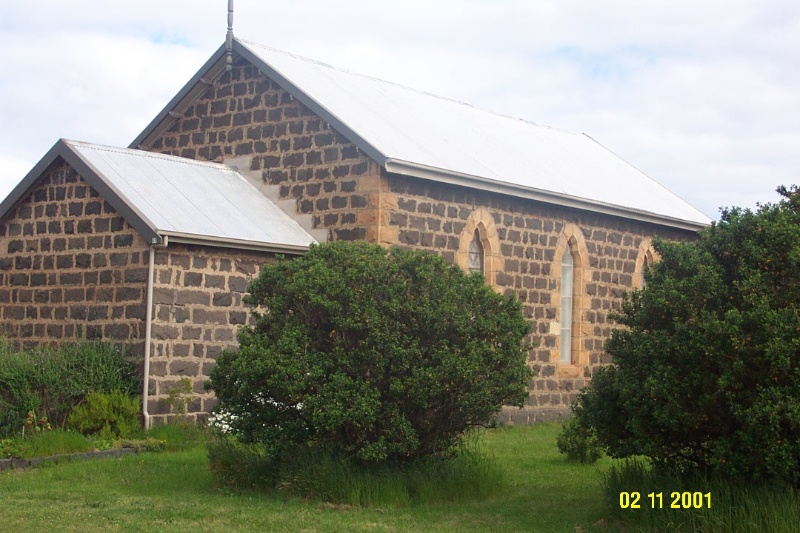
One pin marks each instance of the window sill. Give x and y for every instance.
(569, 371)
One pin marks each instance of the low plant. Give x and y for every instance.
(148, 444)
(15, 448)
(579, 442)
(178, 396)
(34, 424)
(106, 415)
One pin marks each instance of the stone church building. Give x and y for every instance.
(265, 153)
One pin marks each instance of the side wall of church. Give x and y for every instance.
(523, 243)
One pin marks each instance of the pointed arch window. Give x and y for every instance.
(646, 258)
(477, 257)
(567, 293)
(645, 266)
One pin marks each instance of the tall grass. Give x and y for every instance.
(471, 474)
(45, 444)
(51, 381)
(734, 507)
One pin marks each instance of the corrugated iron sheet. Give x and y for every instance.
(423, 129)
(190, 197)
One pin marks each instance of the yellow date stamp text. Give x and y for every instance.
(665, 500)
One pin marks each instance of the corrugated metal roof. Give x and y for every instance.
(407, 130)
(177, 196)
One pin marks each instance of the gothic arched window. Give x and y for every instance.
(567, 291)
(645, 266)
(476, 254)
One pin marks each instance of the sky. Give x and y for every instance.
(703, 97)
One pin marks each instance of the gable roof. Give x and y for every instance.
(181, 199)
(418, 134)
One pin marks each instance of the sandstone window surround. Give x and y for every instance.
(571, 266)
(645, 257)
(480, 235)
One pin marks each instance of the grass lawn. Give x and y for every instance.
(172, 492)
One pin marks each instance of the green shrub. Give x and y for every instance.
(705, 377)
(51, 381)
(106, 415)
(579, 443)
(373, 355)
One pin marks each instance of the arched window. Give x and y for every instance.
(645, 266)
(571, 260)
(567, 292)
(646, 257)
(476, 254)
(479, 246)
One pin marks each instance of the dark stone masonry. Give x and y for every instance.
(72, 266)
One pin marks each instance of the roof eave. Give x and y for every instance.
(238, 244)
(408, 168)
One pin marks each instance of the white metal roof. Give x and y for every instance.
(184, 196)
(420, 134)
(184, 199)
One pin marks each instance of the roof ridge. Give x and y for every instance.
(401, 86)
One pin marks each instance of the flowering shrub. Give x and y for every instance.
(221, 422)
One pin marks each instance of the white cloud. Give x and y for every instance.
(702, 96)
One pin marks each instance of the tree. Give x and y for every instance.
(371, 354)
(706, 371)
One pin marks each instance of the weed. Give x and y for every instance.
(178, 396)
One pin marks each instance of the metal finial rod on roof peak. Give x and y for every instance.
(229, 39)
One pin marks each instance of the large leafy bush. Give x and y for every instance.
(372, 355)
(706, 372)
